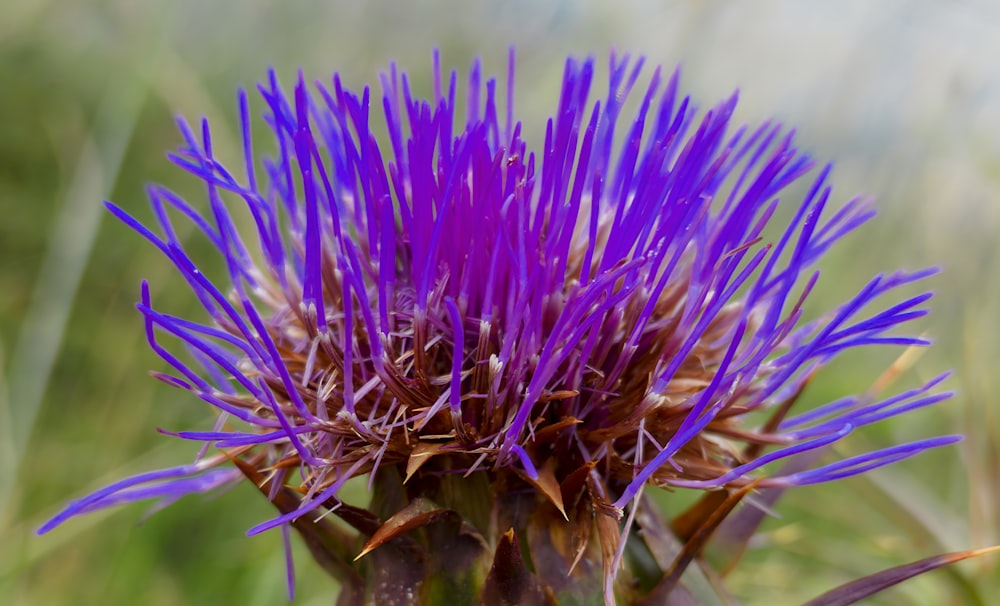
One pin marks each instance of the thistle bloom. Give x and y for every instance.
(448, 312)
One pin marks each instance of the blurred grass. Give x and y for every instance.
(905, 97)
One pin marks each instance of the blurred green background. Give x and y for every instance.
(903, 95)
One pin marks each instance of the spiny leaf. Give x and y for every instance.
(862, 588)
(572, 488)
(419, 512)
(509, 582)
(549, 433)
(608, 536)
(608, 532)
(582, 529)
(420, 454)
(548, 485)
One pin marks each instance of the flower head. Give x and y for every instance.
(608, 312)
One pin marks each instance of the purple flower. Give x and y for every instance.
(410, 286)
